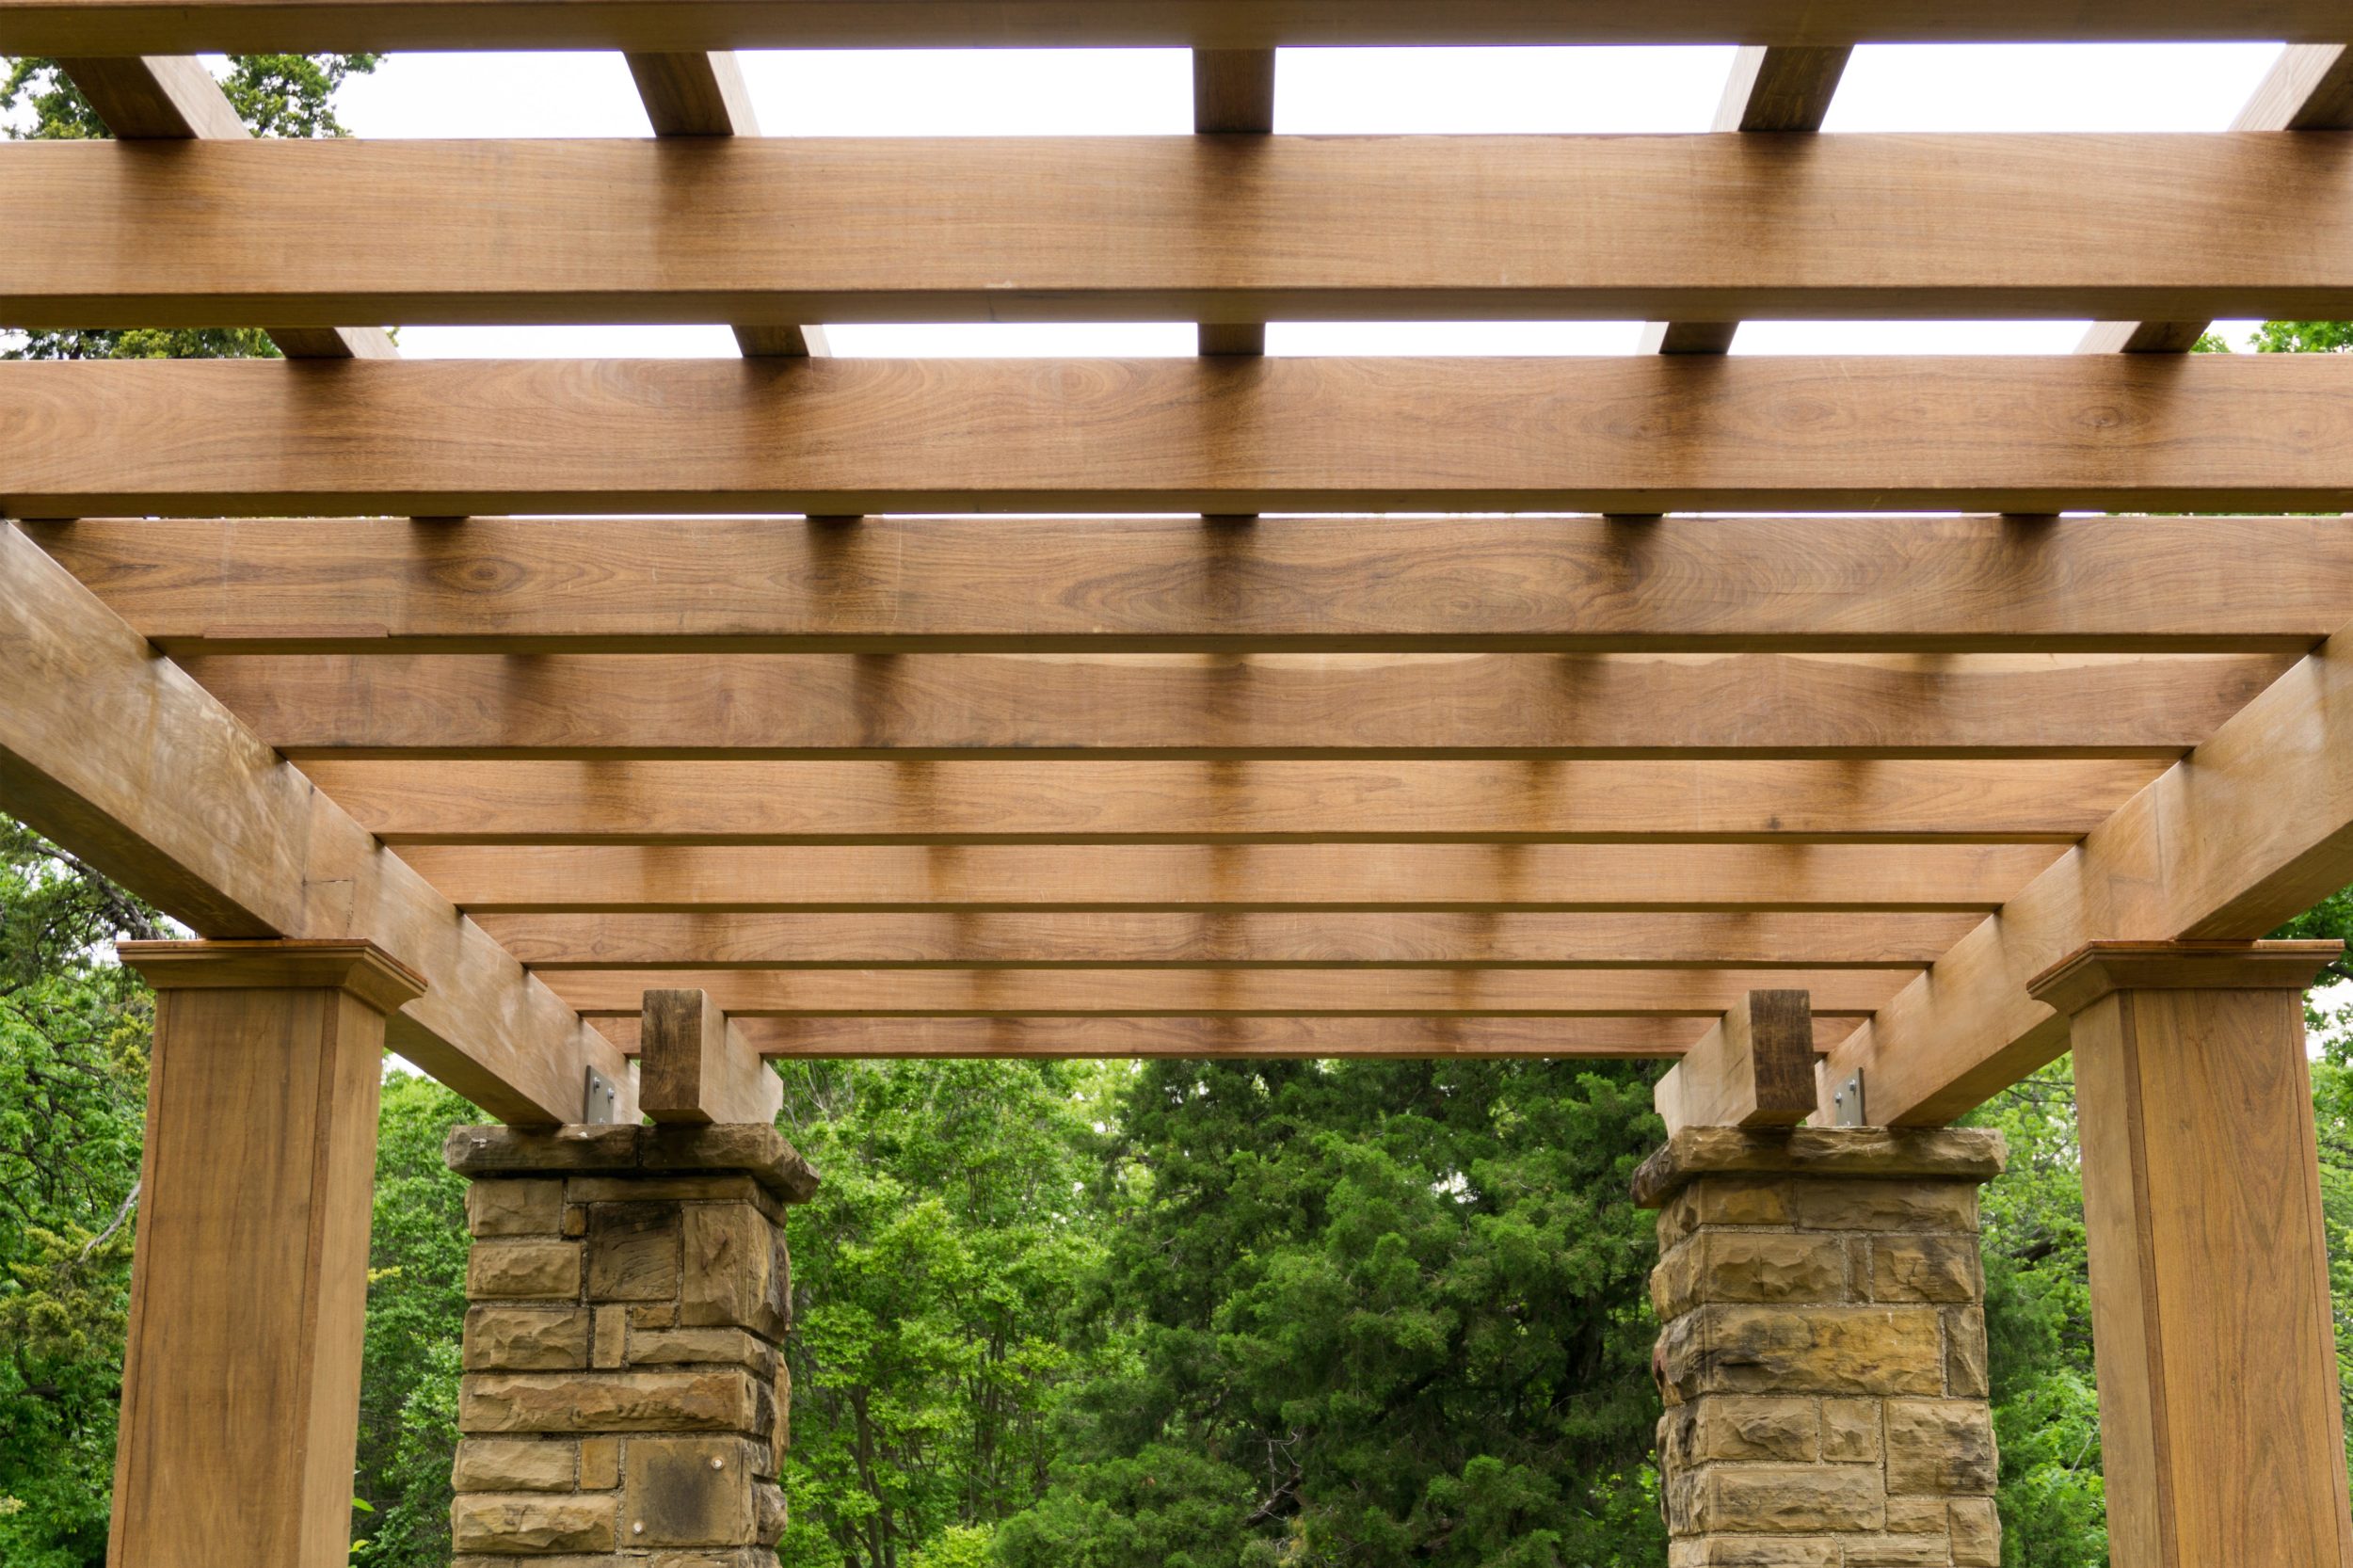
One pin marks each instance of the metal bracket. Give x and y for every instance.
(1847, 1101)
(600, 1102)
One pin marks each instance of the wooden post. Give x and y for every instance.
(241, 1378)
(2218, 1415)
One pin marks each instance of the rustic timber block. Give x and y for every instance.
(625, 1396)
(1822, 1347)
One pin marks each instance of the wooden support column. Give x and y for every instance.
(2221, 1432)
(249, 1294)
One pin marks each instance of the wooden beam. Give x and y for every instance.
(112, 751)
(1754, 1068)
(1156, 939)
(695, 1068)
(1225, 228)
(1232, 878)
(1233, 94)
(1769, 90)
(175, 26)
(2309, 88)
(1132, 802)
(460, 437)
(1320, 584)
(2253, 827)
(877, 994)
(1215, 706)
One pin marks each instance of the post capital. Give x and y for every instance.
(360, 969)
(2097, 968)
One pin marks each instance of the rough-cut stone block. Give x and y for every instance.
(1749, 1266)
(522, 1205)
(737, 1272)
(600, 1464)
(1915, 1516)
(600, 1559)
(1789, 1349)
(611, 1337)
(1926, 1269)
(726, 1556)
(755, 1148)
(678, 1347)
(1942, 1445)
(784, 1408)
(1725, 1201)
(1900, 1551)
(633, 1251)
(690, 1492)
(1905, 1205)
(654, 1315)
(514, 1465)
(1787, 1499)
(479, 1151)
(1854, 1155)
(770, 1515)
(1976, 1530)
(715, 1187)
(1964, 1352)
(757, 1151)
(1749, 1427)
(1850, 1431)
(1769, 1551)
(523, 1271)
(707, 1401)
(526, 1523)
(526, 1339)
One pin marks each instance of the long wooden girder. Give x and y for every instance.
(1136, 585)
(1219, 229)
(1142, 802)
(1163, 940)
(168, 793)
(1230, 879)
(622, 707)
(179, 26)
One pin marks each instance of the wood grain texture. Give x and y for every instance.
(1233, 878)
(174, 26)
(1155, 940)
(1218, 229)
(1233, 91)
(694, 1068)
(1754, 1068)
(699, 95)
(1211, 705)
(1319, 585)
(730, 801)
(861, 993)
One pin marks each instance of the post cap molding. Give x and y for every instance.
(359, 967)
(2097, 968)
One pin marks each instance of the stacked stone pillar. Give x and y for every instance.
(1822, 1348)
(625, 1403)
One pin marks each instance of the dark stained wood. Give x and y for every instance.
(1756, 1068)
(695, 1069)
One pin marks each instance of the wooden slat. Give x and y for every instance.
(1218, 229)
(116, 754)
(1769, 90)
(704, 802)
(1234, 878)
(1233, 94)
(459, 437)
(1754, 1068)
(695, 1068)
(749, 993)
(1326, 584)
(2309, 88)
(2252, 828)
(178, 27)
(1154, 939)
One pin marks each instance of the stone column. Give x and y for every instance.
(624, 1403)
(1822, 1348)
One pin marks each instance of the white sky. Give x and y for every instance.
(1076, 92)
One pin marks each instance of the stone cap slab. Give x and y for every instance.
(1848, 1153)
(754, 1149)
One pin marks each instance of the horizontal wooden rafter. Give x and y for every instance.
(379, 586)
(863, 993)
(701, 880)
(1156, 939)
(179, 26)
(1219, 434)
(1701, 229)
(724, 802)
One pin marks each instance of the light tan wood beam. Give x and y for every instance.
(877, 993)
(2308, 88)
(1323, 585)
(1233, 94)
(174, 98)
(1769, 90)
(696, 1068)
(1214, 706)
(1140, 801)
(1753, 1068)
(1231, 878)
(1155, 940)
(1224, 228)
(113, 752)
(2253, 827)
(1664, 433)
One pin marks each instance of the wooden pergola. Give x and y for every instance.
(997, 708)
